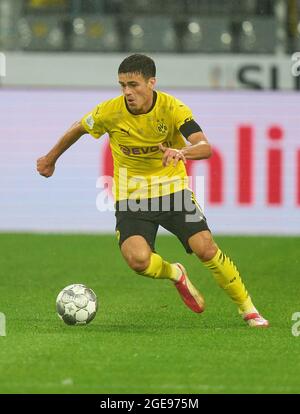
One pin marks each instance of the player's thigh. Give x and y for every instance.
(185, 219)
(136, 234)
(135, 224)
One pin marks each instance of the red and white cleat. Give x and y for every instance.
(189, 294)
(255, 320)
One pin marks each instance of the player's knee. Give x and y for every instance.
(139, 261)
(203, 246)
(207, 253)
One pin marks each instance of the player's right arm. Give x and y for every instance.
(91, 123)
(46, 164)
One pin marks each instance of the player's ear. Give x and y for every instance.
(152, 82)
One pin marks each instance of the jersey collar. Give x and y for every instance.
(149, 110)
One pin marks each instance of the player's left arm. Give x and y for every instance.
(198, 150)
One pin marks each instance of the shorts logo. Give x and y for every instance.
(161, 126)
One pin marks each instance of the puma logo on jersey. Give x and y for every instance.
(125, 131)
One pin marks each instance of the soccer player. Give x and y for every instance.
(146, 129)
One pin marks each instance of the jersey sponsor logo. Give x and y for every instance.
(142, 150)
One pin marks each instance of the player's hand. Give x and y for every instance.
(171, 155)
(45, 167)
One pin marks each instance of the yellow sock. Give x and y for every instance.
(229, 279)
(160, 269)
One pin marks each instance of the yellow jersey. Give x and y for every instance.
(134, 140)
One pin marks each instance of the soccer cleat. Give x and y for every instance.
(189, 294)
(255, 320)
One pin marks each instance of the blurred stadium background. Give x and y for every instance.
(172, 26)
(234, 63)
(231, 61)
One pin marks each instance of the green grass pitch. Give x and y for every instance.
(144, 339)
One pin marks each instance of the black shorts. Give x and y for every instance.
(178, 213)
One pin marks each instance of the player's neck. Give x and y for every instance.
(147, 107)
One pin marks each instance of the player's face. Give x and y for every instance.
(138, 91)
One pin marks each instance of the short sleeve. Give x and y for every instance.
(93, 123)
(182, 114)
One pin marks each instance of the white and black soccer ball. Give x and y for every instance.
(76, 304)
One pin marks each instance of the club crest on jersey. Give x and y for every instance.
(161, 126)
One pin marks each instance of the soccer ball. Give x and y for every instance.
(76, 304)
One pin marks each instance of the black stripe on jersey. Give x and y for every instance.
(189, 128)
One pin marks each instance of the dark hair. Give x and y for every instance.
(138, 63)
